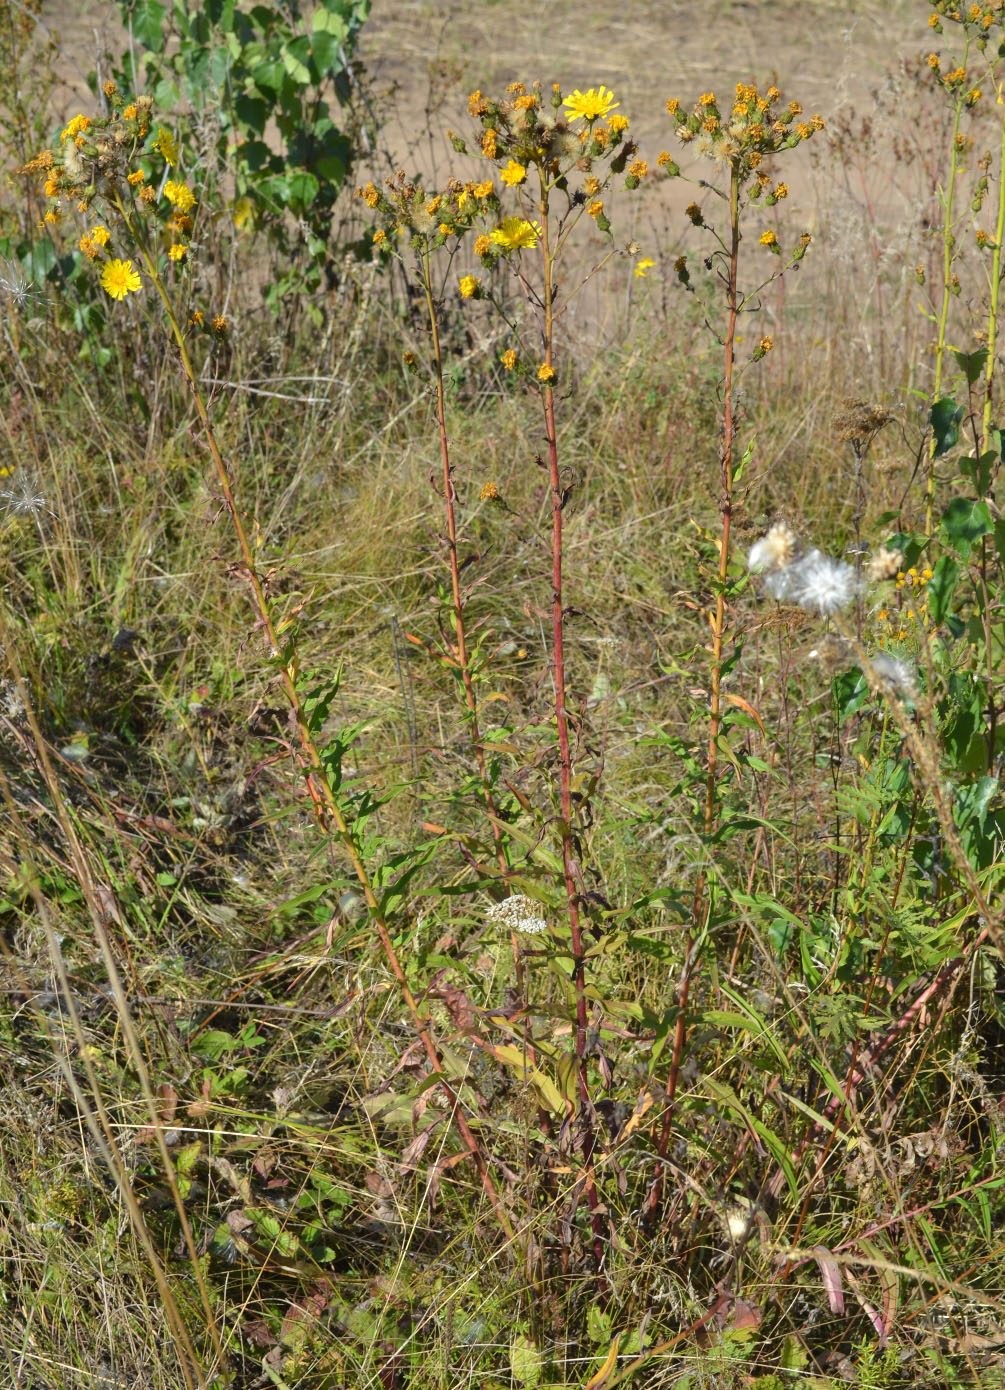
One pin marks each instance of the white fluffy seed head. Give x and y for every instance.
(894, 673)
(776, 550)
(822, 584)
(884, 564)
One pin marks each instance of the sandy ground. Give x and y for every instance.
(822, 52)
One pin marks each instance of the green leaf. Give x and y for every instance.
(971, 364)
(941, 587)
(964, 522)
(252, 112)
(979, 470)
(945, 417)
(296, 57)
(147, 24)
(213, 1044)
(525, 1360)
(268, 77)
(303, 189)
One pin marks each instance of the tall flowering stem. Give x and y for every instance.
(954, 84)
(460, 652)
(754, 129)
(567, 150)
(80, 160)
(569, 867)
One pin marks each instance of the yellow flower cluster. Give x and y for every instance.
(741, 137)
(406, 209)
(97, 160)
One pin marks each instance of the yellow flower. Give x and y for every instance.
(76, 127)
(618, 124)
(587, 106)
(379, 237)
(489, 143)
(129, 112)
(638, 169)
(706, 99)
(768, 238)
(489, 492)
(484, 190)
(445, 229)
(101, 236)
(196, 318)
(177, 252)
(469, 286)
(642, 268)
(370, 195)
(545, 373)
(137, 176)
(508, 359)
(165, 142)
(482, 245)
(52, 188)
(179, 195)
(513, 174)
(52, 216)
(595, 208)
(88, 248)
(220, 324)
(119, 279)
(517, 234)
(781, 190)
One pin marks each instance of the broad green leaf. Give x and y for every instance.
(964, 522)
(945, 417)
(941, 587)
(971, 364)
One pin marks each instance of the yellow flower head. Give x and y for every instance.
(220, 324)
(642, 268)
(76, 127)
(484, 189)
(596, 208)
(769, 238)
(545, 373)
(119, 279)
(52, 188)
(517, 234)
(177, 252)
(482, 245)
(370, 195)
(508, 359)
(179, 195)
(137, 176)
(469, 286)
(619, 124)
(167, 146)
(513, 174)
(89, 249)
(196, 318)
(129, 113)
(101, 236)
(587, 106)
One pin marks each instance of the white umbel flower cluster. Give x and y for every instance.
(518, 913)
